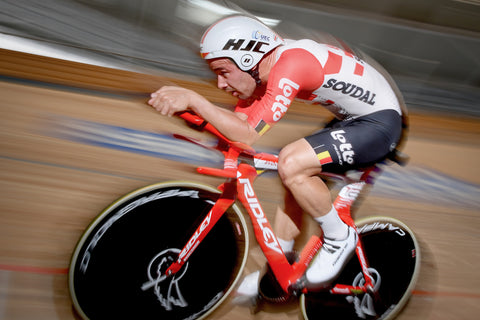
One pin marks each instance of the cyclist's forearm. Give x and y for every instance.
(233, 125)
(171, 99)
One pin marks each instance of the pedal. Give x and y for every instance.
(271, 291)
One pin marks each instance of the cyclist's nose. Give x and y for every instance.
(221, 82)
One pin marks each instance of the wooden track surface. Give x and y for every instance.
(53, 184)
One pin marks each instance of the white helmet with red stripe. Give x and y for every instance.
(243, 39)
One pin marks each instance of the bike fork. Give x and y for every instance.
(216, 212)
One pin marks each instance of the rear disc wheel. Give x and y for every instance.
(393, 255)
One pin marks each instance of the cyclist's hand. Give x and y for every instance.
(169, 100)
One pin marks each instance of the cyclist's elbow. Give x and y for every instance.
(244, 132)
(251, 139)
(247, 137)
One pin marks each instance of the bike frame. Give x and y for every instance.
(239, 185)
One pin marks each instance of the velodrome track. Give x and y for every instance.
(75, 137)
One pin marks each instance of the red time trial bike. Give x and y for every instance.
(176, 250)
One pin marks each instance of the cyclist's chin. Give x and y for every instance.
(241, 95)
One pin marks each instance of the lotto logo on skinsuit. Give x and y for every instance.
(345, 148)
(282, 100)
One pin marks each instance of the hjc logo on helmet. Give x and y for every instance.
(252, 45)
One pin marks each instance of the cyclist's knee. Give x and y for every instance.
(286, 167)
(294, 165)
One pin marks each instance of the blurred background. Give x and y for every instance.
(76, 133)
(431, 47)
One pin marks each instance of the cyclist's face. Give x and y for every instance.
(231, 79)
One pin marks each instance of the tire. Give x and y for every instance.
(393, 254)
(118, 259)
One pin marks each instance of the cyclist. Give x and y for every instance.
(265, 73)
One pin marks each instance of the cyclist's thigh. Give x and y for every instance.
(357, 143)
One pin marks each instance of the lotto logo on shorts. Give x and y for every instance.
(345, 148)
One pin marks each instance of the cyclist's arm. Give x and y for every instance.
(233, 125)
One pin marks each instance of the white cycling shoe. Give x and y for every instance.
(331, 259)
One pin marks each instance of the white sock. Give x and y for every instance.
(333, 227)
(286, 246)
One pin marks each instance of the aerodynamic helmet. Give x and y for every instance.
(243, 39)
